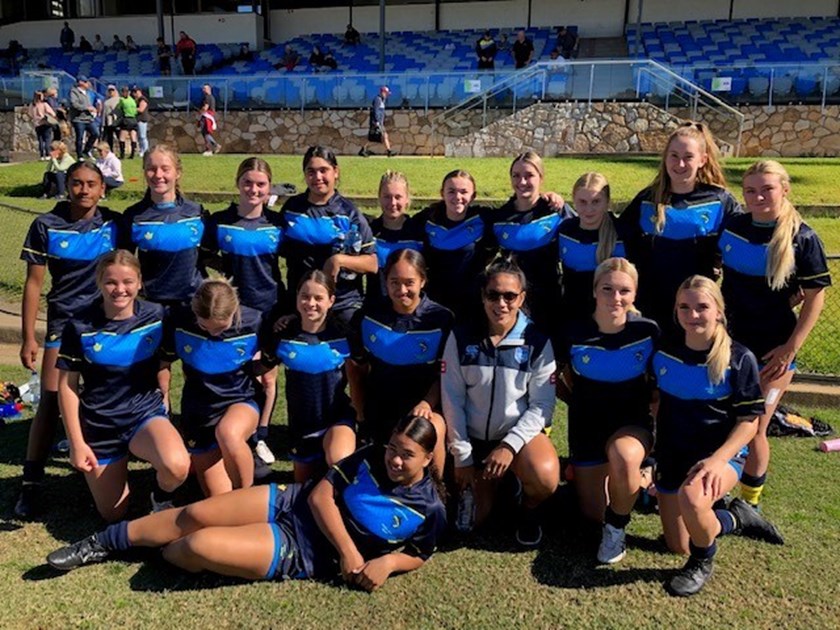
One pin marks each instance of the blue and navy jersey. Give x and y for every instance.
(404, 353)
(167, 237)
(70, 250)
(315, 377)
(380, 515)
(696, 416)
(217, 370)
(577, 251)
(760, 317)
(455, 254)
(610, 371)
(686, 246)
(249, 249)
(409, 236)
(118, 362)
(312, 233)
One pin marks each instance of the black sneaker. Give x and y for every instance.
(528, 531)
(363, 153)
(691, 578)
(753, 525)
(29, 500)
(86, 551)
(261, 469)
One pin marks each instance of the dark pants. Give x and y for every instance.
(45, 136)
(188, 63)
(81, 128)
(57, 179)
(111, 183)
(109, 135)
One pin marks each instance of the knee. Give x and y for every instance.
(114, 513)
(625, 457)
(183, 553)
(228, 435)
(691, 499)
(175, 471)
(543, 478)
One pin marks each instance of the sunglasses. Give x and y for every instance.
(508, 296)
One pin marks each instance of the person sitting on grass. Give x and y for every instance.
(110, 166)
(55, 177)
(376, 513)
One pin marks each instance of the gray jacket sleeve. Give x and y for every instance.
(541, 401)
(454, 402)
(79, 101)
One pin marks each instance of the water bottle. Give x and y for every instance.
(351, 244)
(466, 511)
(30, 391)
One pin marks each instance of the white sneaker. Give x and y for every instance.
(264, 453)
(207, 153)
(160, 506)
(612, 548)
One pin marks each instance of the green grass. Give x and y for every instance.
(484, 584)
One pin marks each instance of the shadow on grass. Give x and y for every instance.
(158, 576)
(25, 190)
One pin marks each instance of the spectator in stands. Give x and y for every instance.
(130, 44)
(67, 38)
(164, 56)
(185, 49)
(207, 122)
(376, 131)
(127, 109)
(98, 44)
(110, 115)
(43, 117)
(485, 49)
(290, 59)
(567, 43)
(504, 44)
(83, 117)
(117, 45)
(110, 166)
(245, 52)
(523, 50)
(55, 176)
(319, 60)
(84, 45)
(352, 36)
(142, 118)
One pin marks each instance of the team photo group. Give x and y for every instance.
(423, 356)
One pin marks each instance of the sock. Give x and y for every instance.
(751, 488)
(616, 520)
(33, 472)
(122, 150)
(114, 537)
(262, 433)
(133, 148)
(702, 553)
(727, 520)
(162, 495)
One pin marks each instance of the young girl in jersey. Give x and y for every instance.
(393, 229)
(605, 366)
(68, 241)
(352, 523)
(313, 351)
(670, 229)
(769, 256)
(244, 241)
(397, 349)
(454, 231)
(323, 230)
(112, 347)
(166, 230)
(526, 226)
(498, 398)
(216, 338)
(584, 242)
(709, 403)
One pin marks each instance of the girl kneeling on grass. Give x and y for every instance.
(112, 348)
(710, 402)
(376, 513)
(216, 339)
(313, 349)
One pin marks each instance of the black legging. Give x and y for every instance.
(45, 136)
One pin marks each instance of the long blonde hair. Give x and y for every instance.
(710, 173)
(721, 351)
(216, 299)
(781, 262)
(619, 264)
(607, 235)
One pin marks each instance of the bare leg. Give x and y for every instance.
(158, 443)
(625, 451)
(537, 467)
(758, 461)
(246, 551)
(591, 485)
(210, 472)
(44, 424)
(339, 442)
(696, 508)
(673, 525)
(232, 433)
(109, 487)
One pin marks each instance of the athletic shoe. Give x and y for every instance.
(613, 548)
(362, 152)
(29, 500)
(207, 153)
(528, 532)
(691, 578)
(217, 148)
(160, 506)
(264, 453)
(261, 469)
(391, 153)
(753, 525)
(87, 551)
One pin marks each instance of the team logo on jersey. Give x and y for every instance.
(423, 347)
(663, 371)
(372, 338)
(705, 217)
(193, 229)
(188, 349)
(585, 358)
(241, 351)
(471, 351)
(292, 354)
(396, 521)
(149, 236)
(97, 347)
(228, 238)
(54, 336)
(521, 354)
(64, 244)
(728, 247)
(191, 443)
(639, 356)
(505, 235)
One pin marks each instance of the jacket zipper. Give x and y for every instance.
(492, 394)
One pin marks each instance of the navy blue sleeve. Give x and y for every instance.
(210, 238)
(747, 399)
(70, 356)
(354, 337)
(36, 243)
(167, 344)
(424, 541)
(811, 264)
(368, 242)
(731, 208)
(342, 474)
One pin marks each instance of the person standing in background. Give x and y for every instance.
(377, 132)
(164, 55)
(522, 49)
(67, 38)
(142, 118)
(185, 49)
(207, 121)
(486, 50)
(83, 117)
(43, 116)
(110, 115)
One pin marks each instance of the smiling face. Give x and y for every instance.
(683, 160)
(591, 204)
(405, 460)
(254, 189)
(86, 189)
(393, 200)
(162, 175)
(321, 177)
(457, 193)
(764, 194)
(698, 314)
(404, 284)
(525, 180)
(502, 297)
(614, 295)
(119, 286)
(314, 302)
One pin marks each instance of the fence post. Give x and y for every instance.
(591, 85)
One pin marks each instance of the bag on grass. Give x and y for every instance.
(787, 421)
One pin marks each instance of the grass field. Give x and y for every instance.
(485, 583)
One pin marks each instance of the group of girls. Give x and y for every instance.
(451, 348)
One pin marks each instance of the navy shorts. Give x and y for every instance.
(55, 327)
(110, 444)
(199, 431)
(310, 447)
(588, 440)
(286, 561)
(670, 475)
